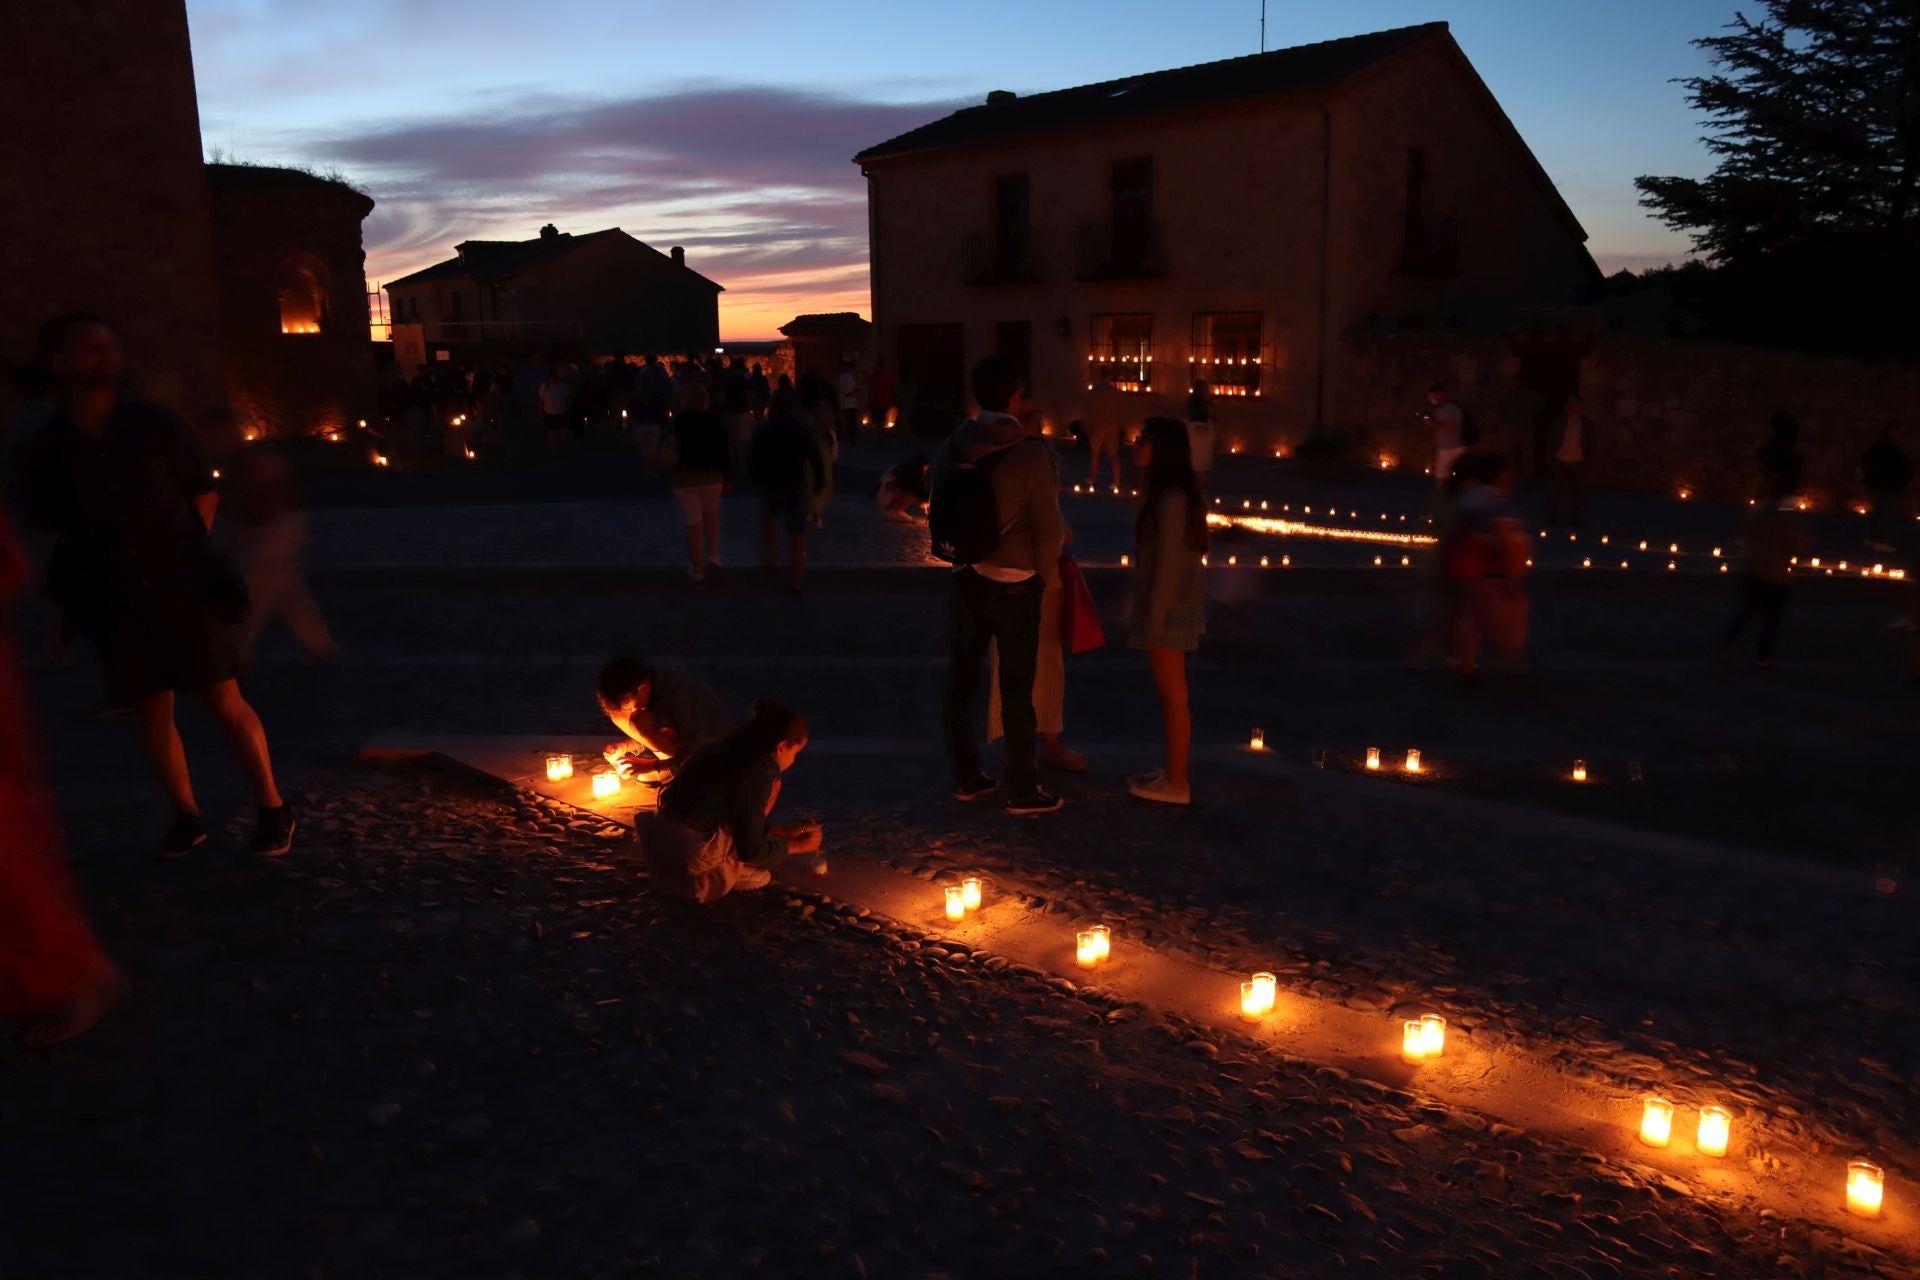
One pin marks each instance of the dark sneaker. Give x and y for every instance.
(185, 835)
(979, 785)
(275, 833)
(1039, 800)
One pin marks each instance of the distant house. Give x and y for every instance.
(603, 291)
(824, 341)
(1238, 221)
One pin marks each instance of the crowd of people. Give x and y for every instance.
(122, 505)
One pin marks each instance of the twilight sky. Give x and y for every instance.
(727, 128)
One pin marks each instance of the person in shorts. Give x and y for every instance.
(122, 486)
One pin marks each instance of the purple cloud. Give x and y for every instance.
(755, 182)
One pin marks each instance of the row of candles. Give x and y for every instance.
(1411, 763)
(606, 782)
(1424, 1039)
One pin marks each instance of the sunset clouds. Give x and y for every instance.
(754, 181)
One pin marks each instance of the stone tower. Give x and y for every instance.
(107, 207)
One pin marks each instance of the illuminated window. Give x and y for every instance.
(303, 296)
(1121, 351)
(1227, 351)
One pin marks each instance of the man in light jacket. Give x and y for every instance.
(997, 599)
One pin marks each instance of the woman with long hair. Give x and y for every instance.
(710, 836)
(1169, 593)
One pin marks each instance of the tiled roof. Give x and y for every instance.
(829, 320)
(482, 258)
(1307, 66)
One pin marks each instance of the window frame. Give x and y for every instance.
(1130, 370)
(1233, 369)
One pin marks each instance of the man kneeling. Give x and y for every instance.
(666, 714)
(710, 836)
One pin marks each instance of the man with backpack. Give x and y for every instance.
(995, 517)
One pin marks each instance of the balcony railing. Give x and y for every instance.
(1105, 251)
(1432, 249)
(995, 260)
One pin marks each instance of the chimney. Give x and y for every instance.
(679, 256)
(999, 96)
(549, 232)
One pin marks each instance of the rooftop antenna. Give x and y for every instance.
(1263, 26)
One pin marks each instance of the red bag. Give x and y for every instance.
(1079, 617)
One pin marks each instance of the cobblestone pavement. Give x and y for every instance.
(372, 1062)
(455, 1037)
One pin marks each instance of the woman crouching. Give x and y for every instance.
(710, 836)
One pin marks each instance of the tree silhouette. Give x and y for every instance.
(1813, 117)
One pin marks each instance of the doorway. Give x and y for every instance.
(931, 365)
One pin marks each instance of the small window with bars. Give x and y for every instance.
(1121, 351)
(1227, 353)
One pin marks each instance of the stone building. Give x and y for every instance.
(602, 292)
(106, 207)
(293, 299)
(1238, 220)
(823, 341)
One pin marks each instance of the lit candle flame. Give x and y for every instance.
(559, 768)
(1715, 1125)
(956, 905)
(970, 893)
(1656, 1122)
(1866, 1182)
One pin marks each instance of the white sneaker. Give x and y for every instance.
(1157, 787)
(752, 878)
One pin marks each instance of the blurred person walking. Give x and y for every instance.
(1483, 557)
(1200, 429)
(1169, 594)
(1775, 535)
(54, 977)
(267, 534)
(121, 484)
(791, 473)
(1569, 449)
(1886, 469)
(700, 463)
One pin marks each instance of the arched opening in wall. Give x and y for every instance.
(301, 286)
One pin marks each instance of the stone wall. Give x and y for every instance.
(106, 201)
(277, 234)
(1668, 413)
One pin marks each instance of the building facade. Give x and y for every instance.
(1236, 221)
(106, 208)
(602, 292)
(293, 299)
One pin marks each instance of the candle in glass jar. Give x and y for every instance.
(1433, 1034)
(1102, 939)
(559, 768)
(1250, 1006)
(1656, 1122)
(970, 893)
(1413, 1041)
(605, 783)
(1865, 1184)
(1715, 1125)
(1086, 951)
(956, 904)
(1373, 757)
(1258, 740)
(1266, 986)
(1579, 770)
(1413, 760)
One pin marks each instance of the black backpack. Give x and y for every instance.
(963, 516)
